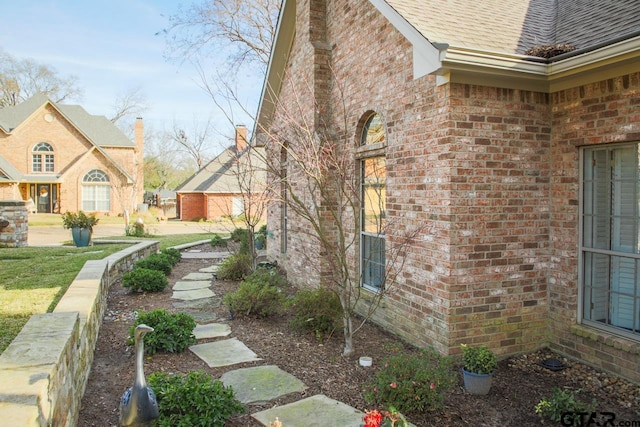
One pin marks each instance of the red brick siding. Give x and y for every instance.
(599, 113)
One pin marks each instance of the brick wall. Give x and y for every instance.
(599, 113)
(488, 176)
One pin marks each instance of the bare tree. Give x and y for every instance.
(243, 28)
(20, 79)
(165, 167)
(129, 104)
(315, 173)
(195, 142)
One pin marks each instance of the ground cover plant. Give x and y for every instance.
(172, 332)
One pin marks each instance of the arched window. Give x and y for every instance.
(96, 191)
(373, 174)
(42, 158)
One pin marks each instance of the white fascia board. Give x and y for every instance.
(426, 57)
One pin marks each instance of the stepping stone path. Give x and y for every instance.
(258, 384)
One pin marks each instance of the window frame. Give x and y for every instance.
(368, 150)
(42, 158)
(608, 254)
(96, 181)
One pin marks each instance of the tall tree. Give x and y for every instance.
(196, 142)
(22, 78)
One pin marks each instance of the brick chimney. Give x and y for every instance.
(138, 135)
(241, 137)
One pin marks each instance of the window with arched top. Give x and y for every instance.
(96, 191)
(42, 158)
(373, 175)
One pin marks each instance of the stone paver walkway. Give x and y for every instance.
(257, 384)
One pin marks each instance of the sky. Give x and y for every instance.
(112, 47)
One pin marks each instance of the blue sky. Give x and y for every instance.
(111, 47)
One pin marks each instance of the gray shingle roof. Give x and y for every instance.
(513, 26)
(98, 129)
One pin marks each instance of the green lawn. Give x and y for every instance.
(33, 279)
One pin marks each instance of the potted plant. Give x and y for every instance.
(81, 226)
(477, 371)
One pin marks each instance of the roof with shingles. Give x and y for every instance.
(514, 26)
(220, 174)
(98, 129)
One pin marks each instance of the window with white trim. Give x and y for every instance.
(96, 192)
(610, 248)
(42, 158)
(373, 173)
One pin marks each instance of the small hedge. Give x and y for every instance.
(193, 400)
(161, 262)
(258, 295)
(317, 311)
(172, 333)
(411, 382)
(218, 242)
(235, 267)
(145, 279)
(173, 255)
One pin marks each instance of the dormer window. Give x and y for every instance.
(42, 158)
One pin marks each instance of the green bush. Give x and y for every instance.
(235, 267)
(411, 382)
(173, 255)
(172, 332)
(159, 261)
(218, 242)
(241, 235)
(316, 310)
(258, 295)
(563, 402)
(144, 279)
(193, 400)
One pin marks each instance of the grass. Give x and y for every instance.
(33, 279)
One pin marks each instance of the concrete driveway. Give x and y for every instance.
(53, 235)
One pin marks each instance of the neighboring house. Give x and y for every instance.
(523, 171)
(226, 186)
(60, 158)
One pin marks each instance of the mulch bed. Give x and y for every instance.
(519, 383)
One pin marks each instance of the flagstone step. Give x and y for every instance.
(198, 276)
(224, 353)
(314, 411)
(191, 284)
(211, 330)
(193, 294)
(261, 383)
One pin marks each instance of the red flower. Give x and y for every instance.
(393, 385)
(433, 386)
(372, 418)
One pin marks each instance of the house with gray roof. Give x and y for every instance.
(60, 158)
(507, 132)
(230, 185)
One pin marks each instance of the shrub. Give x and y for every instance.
(411, 382)
(563, 404)
(135, 230)
(160, 262)
(193, 400)
(241, 235)
(258, 295)
(479, 360)
(144, 279)
(316, 310)
(218, 242)
(173, 255)
(172, 333)
(235, 267)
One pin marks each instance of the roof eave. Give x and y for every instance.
(462, 65)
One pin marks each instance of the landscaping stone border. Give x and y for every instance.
(45, 369)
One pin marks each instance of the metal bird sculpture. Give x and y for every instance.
(138, 405)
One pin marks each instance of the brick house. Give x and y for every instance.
(60, 158)
(218, 190)
(524, 170)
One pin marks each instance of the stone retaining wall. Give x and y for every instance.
(15, 233)
(44, 371)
